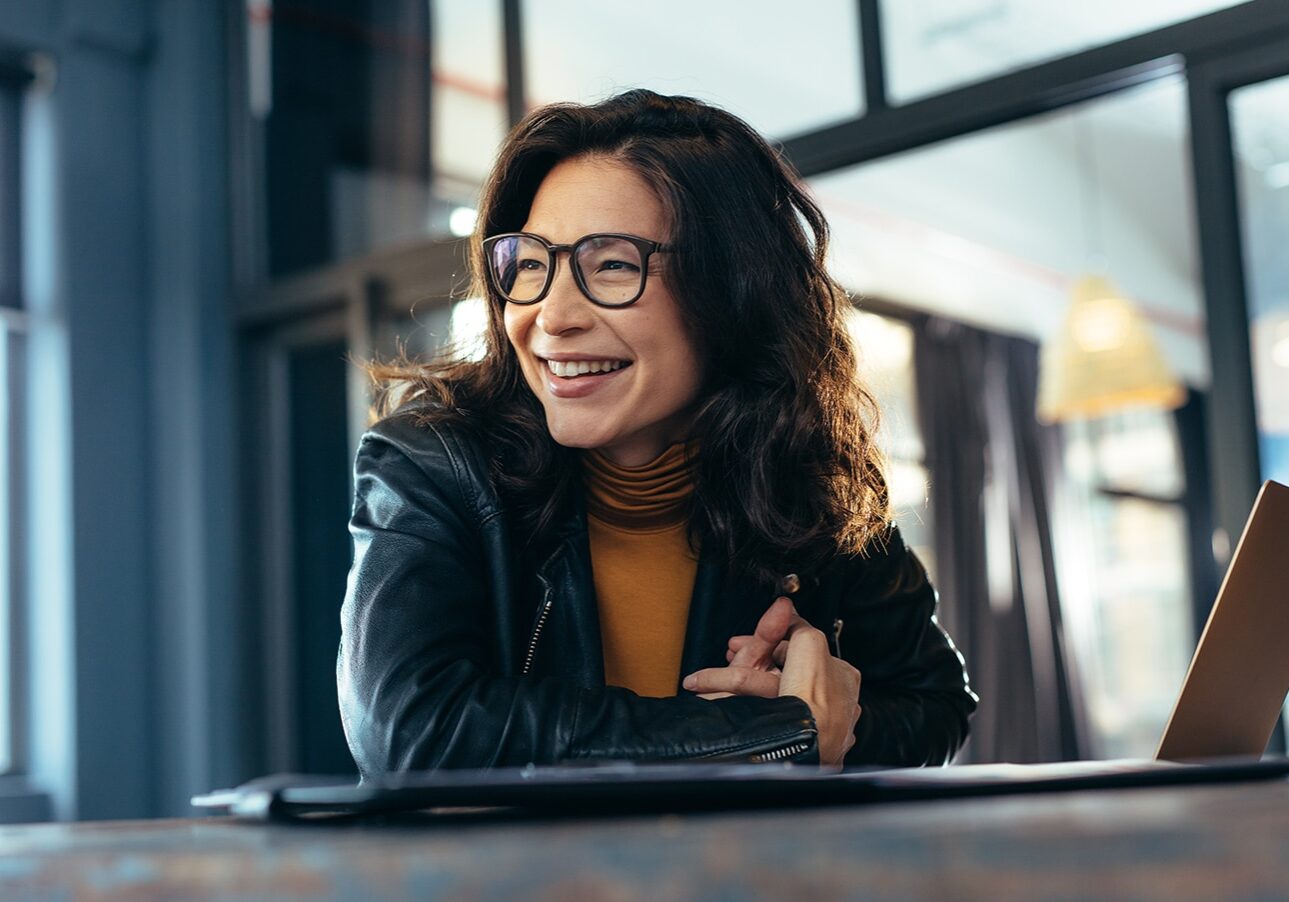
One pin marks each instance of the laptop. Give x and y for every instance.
(1239, 675)
(1217, 732)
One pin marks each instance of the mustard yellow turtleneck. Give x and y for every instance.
(642, 565)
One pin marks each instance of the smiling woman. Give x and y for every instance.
(644, 402)
(636, 528)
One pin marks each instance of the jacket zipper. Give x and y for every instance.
(547, 603)
(837, 624)
(779, 754)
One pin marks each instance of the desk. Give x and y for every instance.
(1201, 842)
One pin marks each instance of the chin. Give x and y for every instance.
(575, 429)
(578, 438)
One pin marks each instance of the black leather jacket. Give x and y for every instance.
(455, 654)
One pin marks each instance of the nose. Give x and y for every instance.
(564, 308)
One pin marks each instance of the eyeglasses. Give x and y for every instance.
(609, 268)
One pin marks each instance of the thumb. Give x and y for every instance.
(770, 631)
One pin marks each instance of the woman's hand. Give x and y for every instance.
(752, 669)
(828, 685)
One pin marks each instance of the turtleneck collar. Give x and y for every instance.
(652, 496)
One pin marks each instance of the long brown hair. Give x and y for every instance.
(787, 475)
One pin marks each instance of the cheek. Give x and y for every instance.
(675, 374)
(517, 321)
(510, 322)
(693, 368)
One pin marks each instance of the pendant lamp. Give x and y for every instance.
(1103, 359)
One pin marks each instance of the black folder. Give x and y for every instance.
(623, 787)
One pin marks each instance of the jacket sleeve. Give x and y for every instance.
(417, 682)
(914, 696)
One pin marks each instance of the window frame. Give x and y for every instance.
(13, 371)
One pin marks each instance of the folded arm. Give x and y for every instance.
(418, 679)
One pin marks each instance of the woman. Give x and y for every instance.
(650, 523)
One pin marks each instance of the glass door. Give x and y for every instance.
(1260, 137)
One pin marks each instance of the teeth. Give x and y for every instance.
(582, 367)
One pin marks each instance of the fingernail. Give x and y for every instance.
(690, 682)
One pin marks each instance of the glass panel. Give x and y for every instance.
(935, 45)
(885, 348)
(1127, 584)
(1134, 452)
(1260, 126)
(995, 229)
(468, 103)
(355, 98)
(782, 73)
(1133, 634)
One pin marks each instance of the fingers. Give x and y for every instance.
(777, 656)
(828, 685)
(758, 649)
(799, 626)
(736, 680)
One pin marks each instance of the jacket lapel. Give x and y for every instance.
(573, 647)
(719, 608)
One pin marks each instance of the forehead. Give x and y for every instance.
(585, 195)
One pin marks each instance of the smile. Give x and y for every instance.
(573, 368)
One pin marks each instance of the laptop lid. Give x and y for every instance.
(1239, 675)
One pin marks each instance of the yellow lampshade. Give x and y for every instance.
(1103, 359)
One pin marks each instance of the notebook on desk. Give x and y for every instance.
(1218, 730)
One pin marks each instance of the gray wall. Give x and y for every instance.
(129, 666)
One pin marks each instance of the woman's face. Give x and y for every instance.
(633, 413)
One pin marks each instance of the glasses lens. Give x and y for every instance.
(520, 266)
(611, 269)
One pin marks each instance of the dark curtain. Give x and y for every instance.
(992, 469)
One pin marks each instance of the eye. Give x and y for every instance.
(617, 265)
(530, 265)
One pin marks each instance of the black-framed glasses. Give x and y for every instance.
(608, 267)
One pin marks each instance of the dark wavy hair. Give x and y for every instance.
(787, 475)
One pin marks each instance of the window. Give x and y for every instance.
(935, 45)
(1128, 605)
(467, 98)
(785, 73)
(378, 122)
(885, 348)
(1260, 126)
(992, 229)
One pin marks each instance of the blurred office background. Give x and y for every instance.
(207, 207)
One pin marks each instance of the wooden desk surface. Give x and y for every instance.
(1203, 842)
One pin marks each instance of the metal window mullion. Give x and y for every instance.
(15, 626)
(872, 56)
(513, 37)
(1232, 423)
(10, 197)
